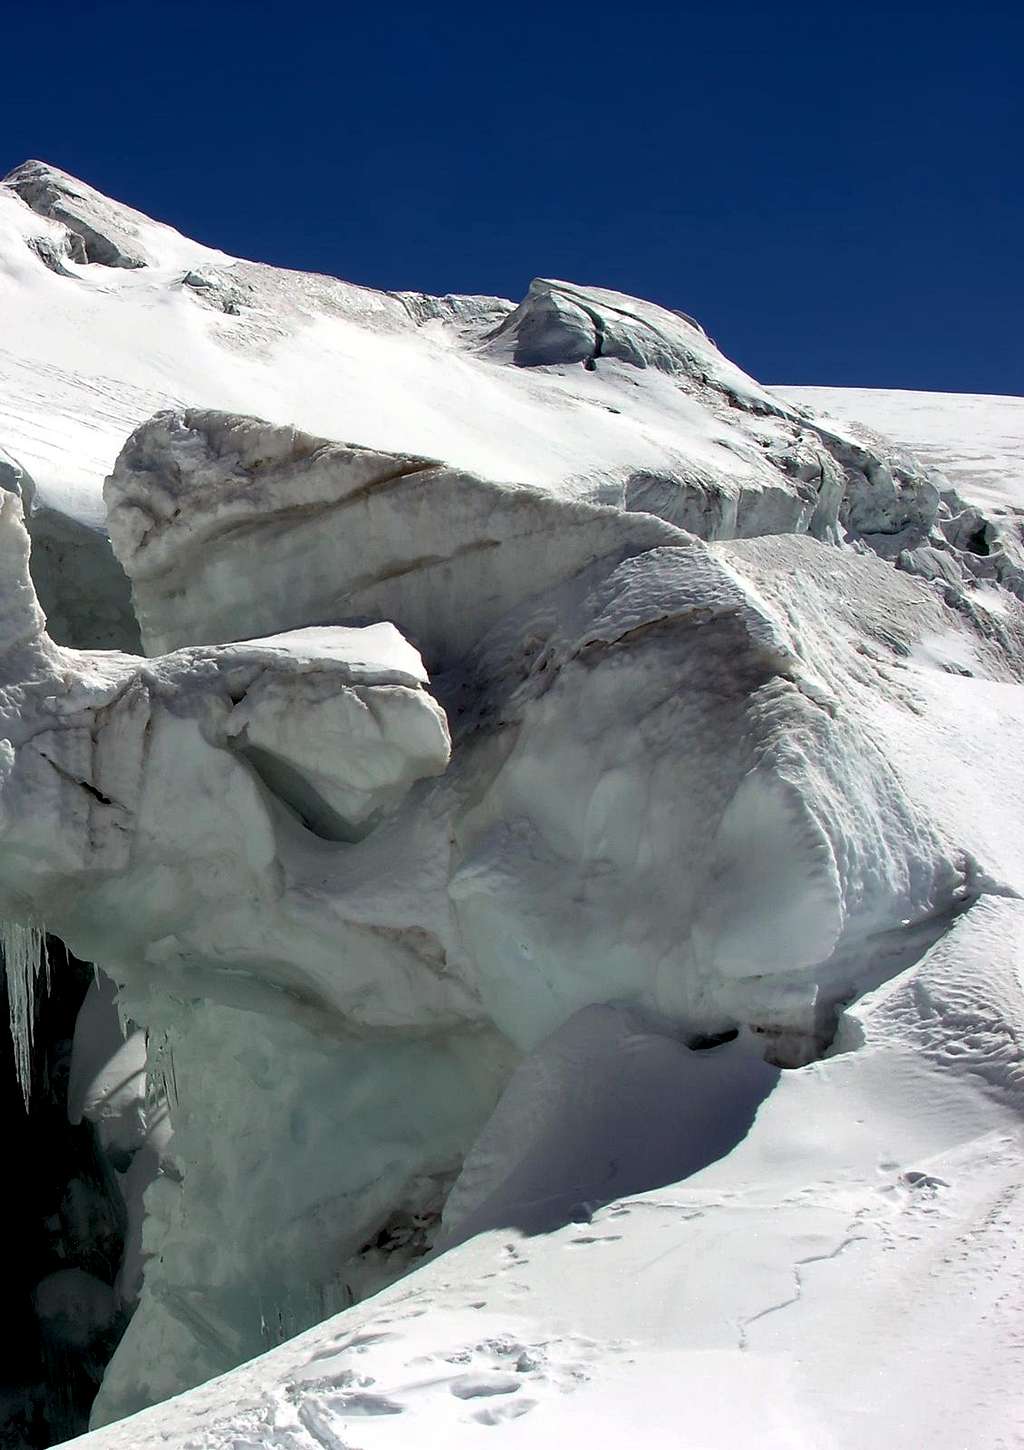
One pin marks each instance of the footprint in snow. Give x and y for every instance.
(496, 1414)
(362, 1339)
(362, 1402)
(483, 1383)
(924, 1182)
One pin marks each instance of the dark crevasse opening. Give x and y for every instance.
(83, 591)
(65, 1231)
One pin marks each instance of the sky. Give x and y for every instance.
(833, 190)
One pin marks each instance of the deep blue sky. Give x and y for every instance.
(835, 191)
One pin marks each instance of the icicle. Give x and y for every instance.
(124, 1017)
(24, 952)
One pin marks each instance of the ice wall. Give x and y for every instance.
(344, 900)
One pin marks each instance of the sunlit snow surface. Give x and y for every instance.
(86, 357)
(476, 835)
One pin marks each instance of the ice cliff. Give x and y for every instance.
(516, 684)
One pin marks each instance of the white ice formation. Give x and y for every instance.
(23, 949)
(543, 734)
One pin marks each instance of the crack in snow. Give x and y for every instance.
(798, 1285)
(92, 790)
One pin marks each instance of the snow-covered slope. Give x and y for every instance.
(90, 351)
(974, 447)
(977, 441)
(564, 827)
(593, 396)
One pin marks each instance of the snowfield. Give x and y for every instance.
(545, 813)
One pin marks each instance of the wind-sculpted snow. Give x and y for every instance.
(200, 503)
(713, 741)
(542, 743)
(558, 322)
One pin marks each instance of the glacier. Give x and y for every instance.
(543, 812)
